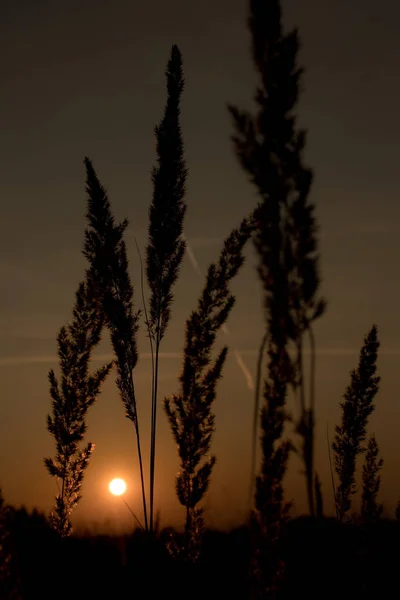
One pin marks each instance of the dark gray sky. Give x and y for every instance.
(87, 78)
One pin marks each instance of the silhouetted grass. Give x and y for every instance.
(357, 406)
(105, 250)
(72, 397)
(190, 412)
(270, 148)
(166, 247)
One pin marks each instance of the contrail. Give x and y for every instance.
(238, 356)
(242, 365)
(192, 258)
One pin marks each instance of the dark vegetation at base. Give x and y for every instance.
(324, 559)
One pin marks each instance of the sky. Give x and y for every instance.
(87, 78)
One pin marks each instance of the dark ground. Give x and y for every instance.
(323, 560)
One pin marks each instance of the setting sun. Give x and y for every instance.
(117, 487)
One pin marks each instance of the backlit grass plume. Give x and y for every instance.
(371, 480)
(190, 412)
(166, 247)
(357, 406)
(270, 148)
(105, 250)
(72, 396)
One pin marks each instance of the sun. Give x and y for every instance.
(117, 487)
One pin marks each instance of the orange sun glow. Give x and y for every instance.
(117, 487)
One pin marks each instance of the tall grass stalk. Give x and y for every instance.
(270, 149)
(105, 251)
(357, 406)
(190, 412)
(71, 398)
(166, 247)
(256, 415)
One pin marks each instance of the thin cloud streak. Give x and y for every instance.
(245, 370)
(14, 361)
(333, 352)
(191, 256)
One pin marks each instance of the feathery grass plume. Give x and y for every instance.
(270, 149)
(105, 251)
(9, 579)
(356, 407)
(166, 247)
(71, 399)
(189, 412)
(370, 508)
